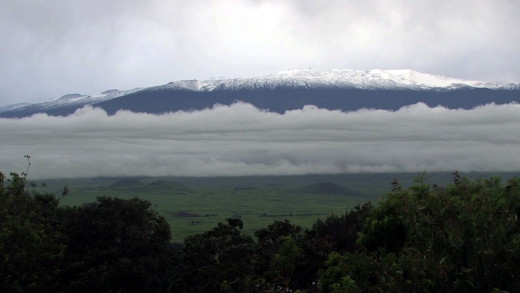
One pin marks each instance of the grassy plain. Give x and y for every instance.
(193, 205)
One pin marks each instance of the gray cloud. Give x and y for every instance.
(53, 48)
(242, 140)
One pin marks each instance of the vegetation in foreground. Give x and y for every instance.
(194, 205)
(463, 237)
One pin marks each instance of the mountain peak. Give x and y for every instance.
(336, 78)
(69, 97)
(386, 79)
(341, 89)
(112, 91)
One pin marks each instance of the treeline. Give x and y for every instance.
(464, 237)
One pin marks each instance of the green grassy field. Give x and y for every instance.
(192, 205)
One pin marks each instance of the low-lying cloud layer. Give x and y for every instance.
(243, 140)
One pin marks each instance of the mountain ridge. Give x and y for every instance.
(363, 79)
(338, 89)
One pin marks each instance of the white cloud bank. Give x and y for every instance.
(243, 140)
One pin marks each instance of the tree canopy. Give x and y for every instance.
(460, 238)
(463, 237)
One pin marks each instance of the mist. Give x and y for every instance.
(243, 140)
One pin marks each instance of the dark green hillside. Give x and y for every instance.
(136, 185)
(127, 184)
(172, 187)
(329, 188)
(258, 200)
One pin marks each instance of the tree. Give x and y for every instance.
(116, 245)
(111, 245)
(31, 247)
(220, 259)
(464, 237)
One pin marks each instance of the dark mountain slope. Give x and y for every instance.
(346, 90)
(283, 99)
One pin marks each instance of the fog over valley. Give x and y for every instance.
(243, 140)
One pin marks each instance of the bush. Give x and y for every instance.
(464, 237)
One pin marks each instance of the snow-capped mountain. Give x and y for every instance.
(63, 105)
(82, 100)
(13, 107)
(339, 78)
(336, 89)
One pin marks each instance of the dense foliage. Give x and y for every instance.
(462, 237)
(111, 245)
(31, 248)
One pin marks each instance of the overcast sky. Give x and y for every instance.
(242, 140)
(51, 48)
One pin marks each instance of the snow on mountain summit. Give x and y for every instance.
(70, 98)
(382, 79)
(363, 79)
(88, 99)
(297, 87)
